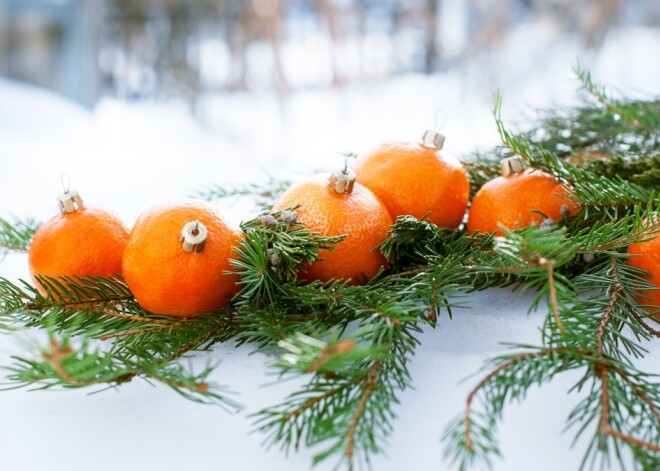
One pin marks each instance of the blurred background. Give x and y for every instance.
(145, 49)
(154, 49)
(233, 90)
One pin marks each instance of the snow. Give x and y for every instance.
(128, 156)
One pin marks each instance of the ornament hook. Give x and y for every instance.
(441, 117)
(432, 137)
(69, 201)
(65, 179)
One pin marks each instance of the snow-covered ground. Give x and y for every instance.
(126, 157)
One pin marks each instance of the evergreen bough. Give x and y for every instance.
(353, 343)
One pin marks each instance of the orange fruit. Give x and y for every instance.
(413, 179)
(84, 242)
(648, 259)
(358, 214)
(519, 200)
(164, 277)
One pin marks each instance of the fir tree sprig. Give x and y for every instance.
(586, 328)
(62, 365)
(89, 309)
(16, 236)
(273, 251)
(263, 194)
(610, 137)
(642, 115)
(355, 381)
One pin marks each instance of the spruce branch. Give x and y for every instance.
(62, 365)
(89, 308)
(263, 194)
(348, 402)
(273, 251)
(647, 123)
(594, 323)
(16, 236)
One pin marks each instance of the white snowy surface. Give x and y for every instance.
(127, 157)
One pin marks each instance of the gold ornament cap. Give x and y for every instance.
(70, 202)
(433, 139)
(193, 237)
(342, 181)
(511, 165)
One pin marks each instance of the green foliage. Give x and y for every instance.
(352, 343)
(263, 194)
(288, 245)
(90, 310)
(16, 236)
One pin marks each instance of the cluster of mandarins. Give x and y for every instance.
(176, 258)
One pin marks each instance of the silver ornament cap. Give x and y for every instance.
(70, 202)
(511, 165)
(433, 139)
(193, 237)
(342, 181)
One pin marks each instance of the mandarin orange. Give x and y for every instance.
(648, 259)
(519, 200)
(82, 242)
(177, 273)
(356, 213)
(416, 179)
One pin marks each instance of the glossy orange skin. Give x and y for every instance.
(359, 214)
(512, 202)
(167, 280)
(85, 242)
(411, 179)
(648, 259)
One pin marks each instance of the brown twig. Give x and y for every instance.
(645, 326)
(642, 395)
(128, 333)
(57, 354)
(553, 296)
(33, 305)
(328, 353)
(197, 387)
(182, 351)
(602, 370)
(55, 358)
(395, 322)
(13, 248)
(627, 240)
(366, 394)
(611, 306)
(132, 317)
(197, 341)
(309, 403)
(614, 204)
(413, 271)
(432, 313)
(512, 361)
(605, 429)
(636, 316)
